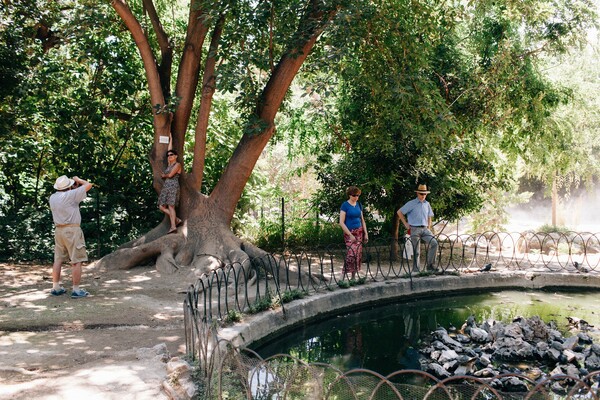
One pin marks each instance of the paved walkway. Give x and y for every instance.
(111, 345)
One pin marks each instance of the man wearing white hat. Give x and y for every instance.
(416, 215)
(69, 243)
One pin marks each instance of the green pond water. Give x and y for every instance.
(386, 338)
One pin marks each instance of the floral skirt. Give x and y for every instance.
(353, 251)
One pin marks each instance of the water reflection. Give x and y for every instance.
(385, 338)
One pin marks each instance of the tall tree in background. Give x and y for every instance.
(570, 157)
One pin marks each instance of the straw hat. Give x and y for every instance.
(422, 189)
(63, 182)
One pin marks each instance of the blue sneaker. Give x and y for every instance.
(58, 292)
(79, 294)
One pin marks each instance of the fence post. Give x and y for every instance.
(317, 225)
(99, 249)
(282, 223)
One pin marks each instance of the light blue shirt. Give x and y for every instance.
(417, 212)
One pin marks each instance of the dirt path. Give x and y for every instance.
(106, 346)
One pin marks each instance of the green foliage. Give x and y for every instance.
(291, 295)
(302, 225)
(569, 156)
(443, 94)
(76, 105)
(80, 111)
(492, 216)
(345, 284)
(298, 233)
(264, 303)
(233, 316)
(553, 229)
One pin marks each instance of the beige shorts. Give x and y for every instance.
(69, 244)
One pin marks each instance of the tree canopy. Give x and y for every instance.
(449, 93)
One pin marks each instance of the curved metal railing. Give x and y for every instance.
(248, 287)
(243, 374)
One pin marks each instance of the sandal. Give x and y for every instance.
(174, 230)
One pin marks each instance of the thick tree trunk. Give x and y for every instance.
(203, 242)
(555, 202)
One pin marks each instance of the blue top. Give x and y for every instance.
(417, 212)
(353, 214)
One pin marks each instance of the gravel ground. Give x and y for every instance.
(105, 346)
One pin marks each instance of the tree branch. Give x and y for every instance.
(208, 91)
(162, 121)
(189, 72)
(229, 188)
(166, 50)
(141, 41)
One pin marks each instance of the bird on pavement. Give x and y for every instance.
(580, 267)
(486, 268)
(578, 323)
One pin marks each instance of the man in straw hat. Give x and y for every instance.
(416, 217)
(69, 243)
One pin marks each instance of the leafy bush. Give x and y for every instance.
(263, 304)
(298, 233)
(233, 316)
(290, 295)
(553, 229)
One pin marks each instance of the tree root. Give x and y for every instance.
(129, 257)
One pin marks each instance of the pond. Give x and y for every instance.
(386, 338)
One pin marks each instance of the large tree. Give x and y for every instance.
(270, 56)
(449, 93)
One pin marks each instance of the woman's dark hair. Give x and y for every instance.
(352, 190)
(171, 151)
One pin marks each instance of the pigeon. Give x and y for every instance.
(469, 323)
(579, 323)
(580, 267)
(486, 268)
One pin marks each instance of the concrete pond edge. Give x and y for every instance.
(317, 306)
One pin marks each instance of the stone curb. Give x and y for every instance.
(317, 306)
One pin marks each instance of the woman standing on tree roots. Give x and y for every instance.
(169, 195)
(355, 230)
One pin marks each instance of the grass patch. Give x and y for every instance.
(265, 303)
(291, 295)
(345, 284)
(233, 316)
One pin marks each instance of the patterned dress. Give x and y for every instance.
(169, 195)
(354, 251)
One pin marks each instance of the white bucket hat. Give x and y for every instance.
(63, 182)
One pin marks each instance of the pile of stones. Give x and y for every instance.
(526, 347)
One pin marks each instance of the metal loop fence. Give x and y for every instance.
(244, 374)
(219, 296)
